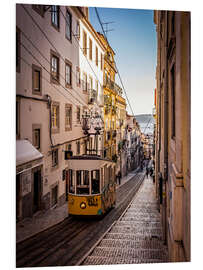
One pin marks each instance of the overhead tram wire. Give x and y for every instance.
(29, 65)
(34, 57)
(54, 46)
(115, 63)
(84, 104)
(48, 81)
(47, 39)
(82, 50)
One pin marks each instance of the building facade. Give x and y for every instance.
(51, 100)
(172, 135)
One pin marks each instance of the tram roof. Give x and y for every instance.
(89, 157)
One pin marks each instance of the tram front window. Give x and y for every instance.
(82, 180)
(71, 182)
(95, 182)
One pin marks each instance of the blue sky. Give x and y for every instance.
(134, 42)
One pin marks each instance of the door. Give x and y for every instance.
(18, 197)
(36, 190)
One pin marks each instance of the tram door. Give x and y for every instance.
(67, 178)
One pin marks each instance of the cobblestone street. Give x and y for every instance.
(136, 237)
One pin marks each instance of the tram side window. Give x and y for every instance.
(71, 182)
(95, 180)
(82, 180)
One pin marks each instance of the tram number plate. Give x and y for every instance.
(92, 201)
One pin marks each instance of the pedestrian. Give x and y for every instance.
(119, 177)
(151, 171)
(147, 171)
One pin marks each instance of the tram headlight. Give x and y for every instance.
(83, 205)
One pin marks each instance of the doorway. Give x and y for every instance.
(36, 190)
(18, 210)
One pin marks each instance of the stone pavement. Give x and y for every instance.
(136, 237)
(43, 220)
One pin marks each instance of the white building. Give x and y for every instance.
(91, 63)
(50, 100)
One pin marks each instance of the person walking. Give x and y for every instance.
(119, 177)
(147, 172)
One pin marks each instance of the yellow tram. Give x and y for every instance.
(91, 185)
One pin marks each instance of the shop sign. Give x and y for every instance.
(26, 178)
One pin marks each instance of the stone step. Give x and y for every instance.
(129, 253)
(134, 230)
(93, 260)
(147, 224)
(133, 237)
(141, 244)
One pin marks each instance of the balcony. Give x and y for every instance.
(92, 96)
(114, 109)
(114, 133)
(113, 86)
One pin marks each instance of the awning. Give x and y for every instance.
(26, 152)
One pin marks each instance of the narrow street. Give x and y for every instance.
(67, 242)
(103, 140)
(136, 237)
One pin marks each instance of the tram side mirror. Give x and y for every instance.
(68, 154)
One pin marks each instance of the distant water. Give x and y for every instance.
(146, 122)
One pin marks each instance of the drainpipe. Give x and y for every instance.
(49, 102)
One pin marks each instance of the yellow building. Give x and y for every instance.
(111, 92)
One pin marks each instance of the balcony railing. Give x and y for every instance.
(113, 86)
(92, 96)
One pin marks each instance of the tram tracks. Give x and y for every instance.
(67, 242)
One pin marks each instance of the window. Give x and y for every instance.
(54, 196)
(96, 56)
(55, 117)
(54, 67)
(54, 157)
(85, 147)
(78, 114)
(39, 9)
(55, 16)
(78, 147)
(36, 136)
(68, 74)
(90, 83)
(69, 147)
(172, 74)
(78, 76)
(71, 181)
(97, 86)
(36, 80)
(78, 30)
(82, 180)
(101, 61)
(17, 118)
(84, 42)
(95, 181)
(90, 49)
(68, 25)
(18, 55)
(68, 117)
(84, 81)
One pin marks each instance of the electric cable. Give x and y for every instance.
(114, 62)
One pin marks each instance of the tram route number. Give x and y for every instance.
(92, 201)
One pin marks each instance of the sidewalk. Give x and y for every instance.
(43, 220)
(136, 237)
